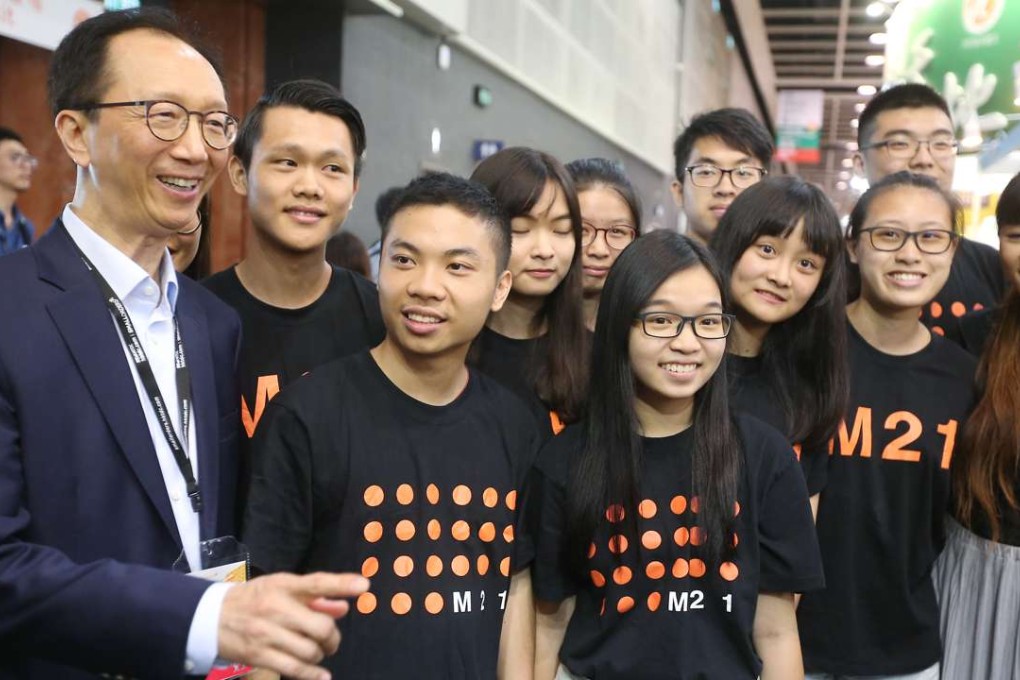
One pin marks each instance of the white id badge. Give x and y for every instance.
(224, 560)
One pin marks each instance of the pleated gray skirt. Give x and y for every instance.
(978, 585)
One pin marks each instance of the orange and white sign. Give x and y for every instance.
(44, 23)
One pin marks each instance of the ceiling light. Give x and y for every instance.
(874, 59)
(859, 107)
(878, 38)
(854, 123)
(867, 90)
(848, 162)
(845, 174)
(840, 186)
(876, 9)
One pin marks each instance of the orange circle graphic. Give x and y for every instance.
(434, 529)
(938, 330)
(460, 531)
(508, 533)
(597, 578)
(370, 567)
(373, 531)
(461, 495)
(680, 568)
(695, 504)
(697, 568)
(936, 310)
(374, 496)
(504, 566)
(433, 566)
(405, 494)
(483, 565)
(625, 604)
(615, 513)
(697, 536)
(958, 309)
(487, 532)
(366, 603)
(654, 600)
(400, 604)
(460, 565)
(651, 540)
(978, 306)
(433, 603)
(618, 544)
(490, 497)
(622, 575)
(403, 566)
(655, 570)
(681, 536)
(511, 500)
(736, 508)
(647, 509)
(729, 571)
(591, 551)
(405, 530)
(678, 505)
(736, 540)
(432, 493)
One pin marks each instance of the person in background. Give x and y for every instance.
(908, 127)
(189, 248)
(610, 221)
(537, 344)
(16, 167)
(977, 577)
(383, 206)
(717, 156)
(347, 251)
(781, 250)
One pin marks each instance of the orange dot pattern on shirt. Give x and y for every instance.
(956, 309)
(651, 540)
(403, 566)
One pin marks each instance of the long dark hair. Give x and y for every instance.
(592, 173)
(607, 470)
(517, 176)
(800, 369)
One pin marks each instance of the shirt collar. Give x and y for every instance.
(122, 273)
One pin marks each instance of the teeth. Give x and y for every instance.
(307, 213)
(906, 276)
(421, 318)
(680, 368)
(179, 182)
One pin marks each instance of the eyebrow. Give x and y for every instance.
(471, 253)
(297, 149)
(400, 243)
(219, 105)
(911, 133)
(923, 225)
(659, 301)
(743, 160)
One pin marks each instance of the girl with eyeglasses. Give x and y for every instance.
(610, 221)
(780, 247)
(666, 537)
(537, 344)
(977, 577)
(881, 515)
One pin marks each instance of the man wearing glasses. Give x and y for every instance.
(717, 156)
(908, 127)
(118, 407)
(16, 166)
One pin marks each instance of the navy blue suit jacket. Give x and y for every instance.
(87, 535)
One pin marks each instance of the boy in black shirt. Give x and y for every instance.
(908, 127)
(297, 159)
(404, 464)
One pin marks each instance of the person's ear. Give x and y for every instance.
(238, 176)
(503, 285)
(677, 189)
(851, 249)
(73, 128)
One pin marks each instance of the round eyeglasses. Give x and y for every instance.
(618, 236)
(904, 148)
(709, 176)
(889, 239)
(168, 121)
(715, 326)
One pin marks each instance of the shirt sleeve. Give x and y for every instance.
(815, 466)
(790, 558)
(278, 520)
(544, 518)
(203, 636)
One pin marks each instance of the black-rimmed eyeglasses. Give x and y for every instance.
(709, 176)
(168, 121)
(905, 147)
(890, 239)
(714, 326)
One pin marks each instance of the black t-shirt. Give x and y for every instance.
(353, 475)
(971, 332)
(750, 393)
(658, 610)
(511, 363)
(881, 516)
(976, 282)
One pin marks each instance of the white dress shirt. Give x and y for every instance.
(151, 307)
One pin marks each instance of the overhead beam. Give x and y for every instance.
(800, 45)
(827, 83)
(841, 41)
(815, 13)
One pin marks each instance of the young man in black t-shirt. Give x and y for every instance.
(403, 464)
(908, 127)
(297, 159)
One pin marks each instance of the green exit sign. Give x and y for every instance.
(483, 96)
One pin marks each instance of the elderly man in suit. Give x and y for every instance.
(118, 412)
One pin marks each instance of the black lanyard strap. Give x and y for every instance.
(178, 445)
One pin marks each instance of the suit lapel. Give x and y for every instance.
(88, 330)
(195, 335)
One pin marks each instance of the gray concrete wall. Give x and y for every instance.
(390, 73)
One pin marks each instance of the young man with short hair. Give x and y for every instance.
(717, 156)
(296, 161)
(908, 127)
(16, 167)
(402, 462)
